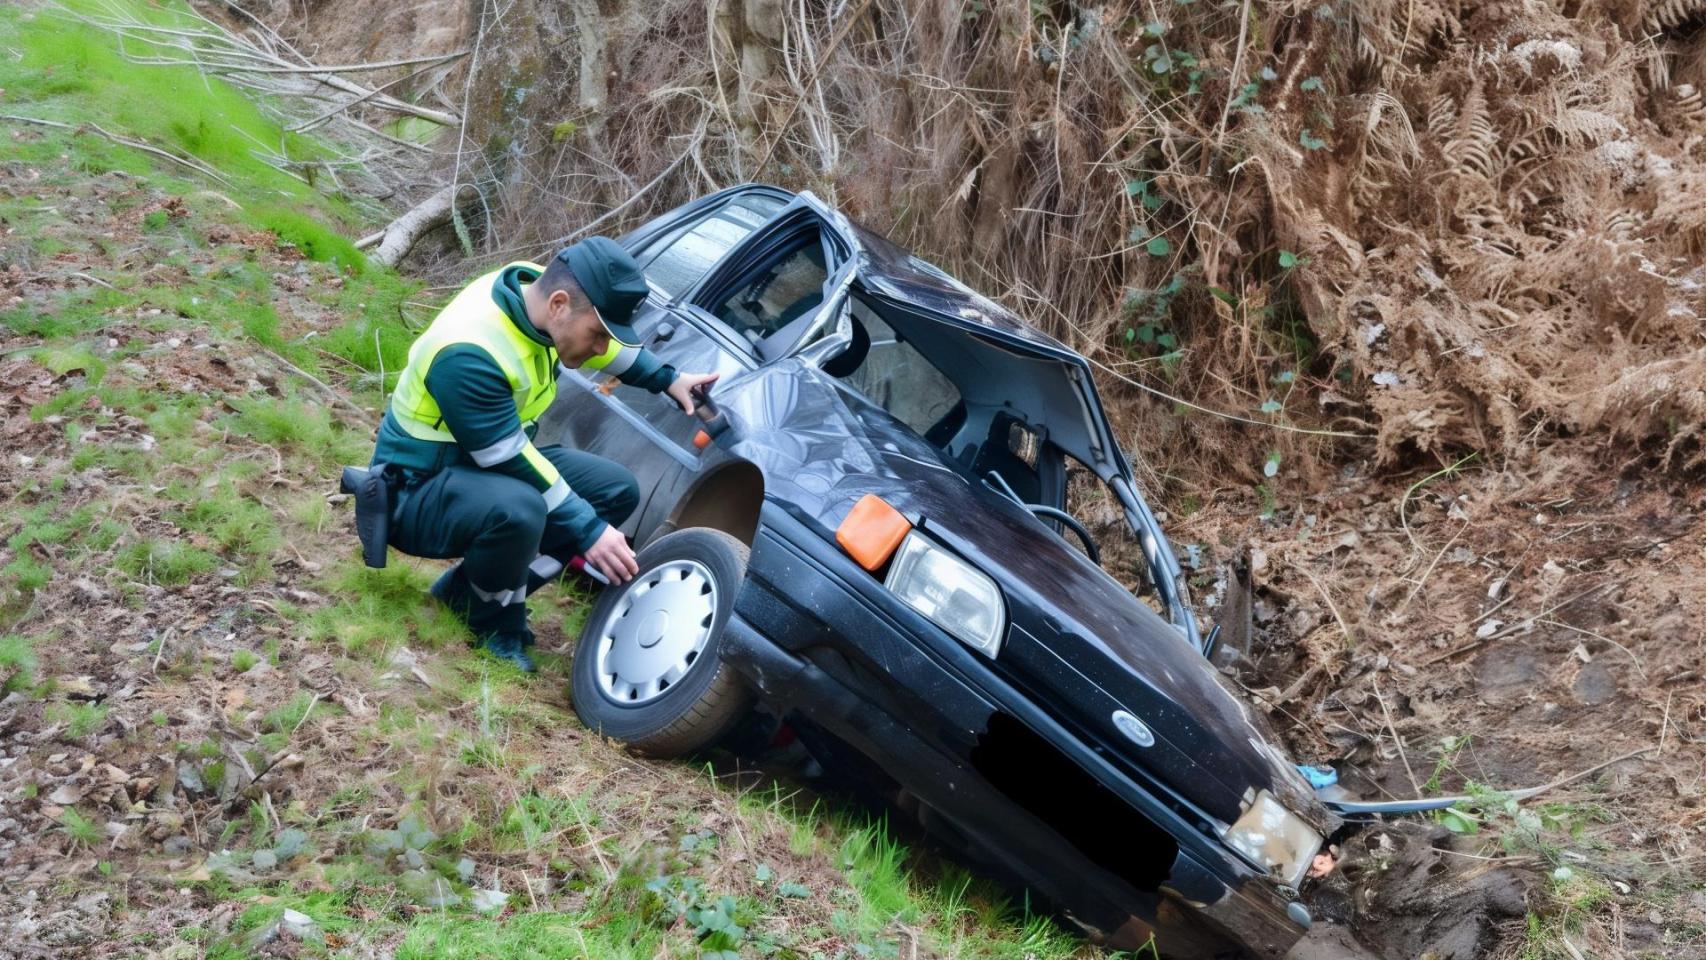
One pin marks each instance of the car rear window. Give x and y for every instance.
(678, 259)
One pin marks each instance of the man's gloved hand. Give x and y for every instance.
(612, 556)
(681, 391)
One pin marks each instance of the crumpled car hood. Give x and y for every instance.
(821, 448)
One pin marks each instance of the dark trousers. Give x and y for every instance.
(498, 525)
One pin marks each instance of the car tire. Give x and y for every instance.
(679, 603)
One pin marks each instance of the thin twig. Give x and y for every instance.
(613, 211)
(1393, 729)
(328, 391)
(1349, 639)
(357, 67)
(1403, 505)
(1639, 668)
(1429, 571)
(1234, 82)
(305, 714)
(1525, 622)
(1284, 427)
(376, 91)
(164, 638)
(91, 279)
(793, 108)
(196, 165)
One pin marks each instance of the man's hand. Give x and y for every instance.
(613, 557)
(681, 391)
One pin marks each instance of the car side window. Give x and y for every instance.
(778, 293)
(676, 261)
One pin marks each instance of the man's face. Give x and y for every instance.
(578, 334)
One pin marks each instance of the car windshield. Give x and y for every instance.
(896, 377)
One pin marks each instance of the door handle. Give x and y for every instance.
(665, 330)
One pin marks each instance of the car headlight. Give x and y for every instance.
(953, 594)
(1276, 838)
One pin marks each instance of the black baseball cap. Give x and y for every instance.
(612, 280)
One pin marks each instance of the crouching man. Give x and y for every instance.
(468, 481)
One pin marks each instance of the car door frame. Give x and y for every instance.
(751, 252)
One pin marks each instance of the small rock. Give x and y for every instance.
(299, 925)
(65, 796)
(1594, 685)
(92, 904)
(79, 688)
(486, 901)
(179, 844)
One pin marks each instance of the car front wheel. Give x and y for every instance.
(647, 669)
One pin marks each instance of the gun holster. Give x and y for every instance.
(371, 487)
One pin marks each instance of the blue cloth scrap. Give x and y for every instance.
(1319, 777)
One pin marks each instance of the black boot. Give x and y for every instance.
(511, 647)
(451, 589)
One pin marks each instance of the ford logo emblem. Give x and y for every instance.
(1134, 729)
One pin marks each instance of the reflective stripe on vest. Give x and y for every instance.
(615, 361)
(474, 318)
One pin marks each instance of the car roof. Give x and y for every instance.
(891, 271)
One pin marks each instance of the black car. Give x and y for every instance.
(866, 531)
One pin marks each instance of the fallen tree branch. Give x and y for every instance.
(376, 91)
(400, 235)
(349, 67)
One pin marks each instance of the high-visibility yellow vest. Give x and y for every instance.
(473, 317)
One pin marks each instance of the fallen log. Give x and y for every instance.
(400, 236)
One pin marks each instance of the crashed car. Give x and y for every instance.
(866, 531)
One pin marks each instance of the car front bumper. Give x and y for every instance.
(814, 633)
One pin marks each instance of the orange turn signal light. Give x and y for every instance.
(872, 531)
(701, 440)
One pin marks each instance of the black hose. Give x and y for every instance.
(1090, 548)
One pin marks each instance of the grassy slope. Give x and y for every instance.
(180, 602)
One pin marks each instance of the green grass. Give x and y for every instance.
(81, 829)
(377, 609)
(17, 661)
(530, 936)
(300, 427)
(313, 238)
(243, 528)
(79, 719)
(165, 562)
(73, 73)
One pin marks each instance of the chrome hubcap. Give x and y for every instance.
(656, 632)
